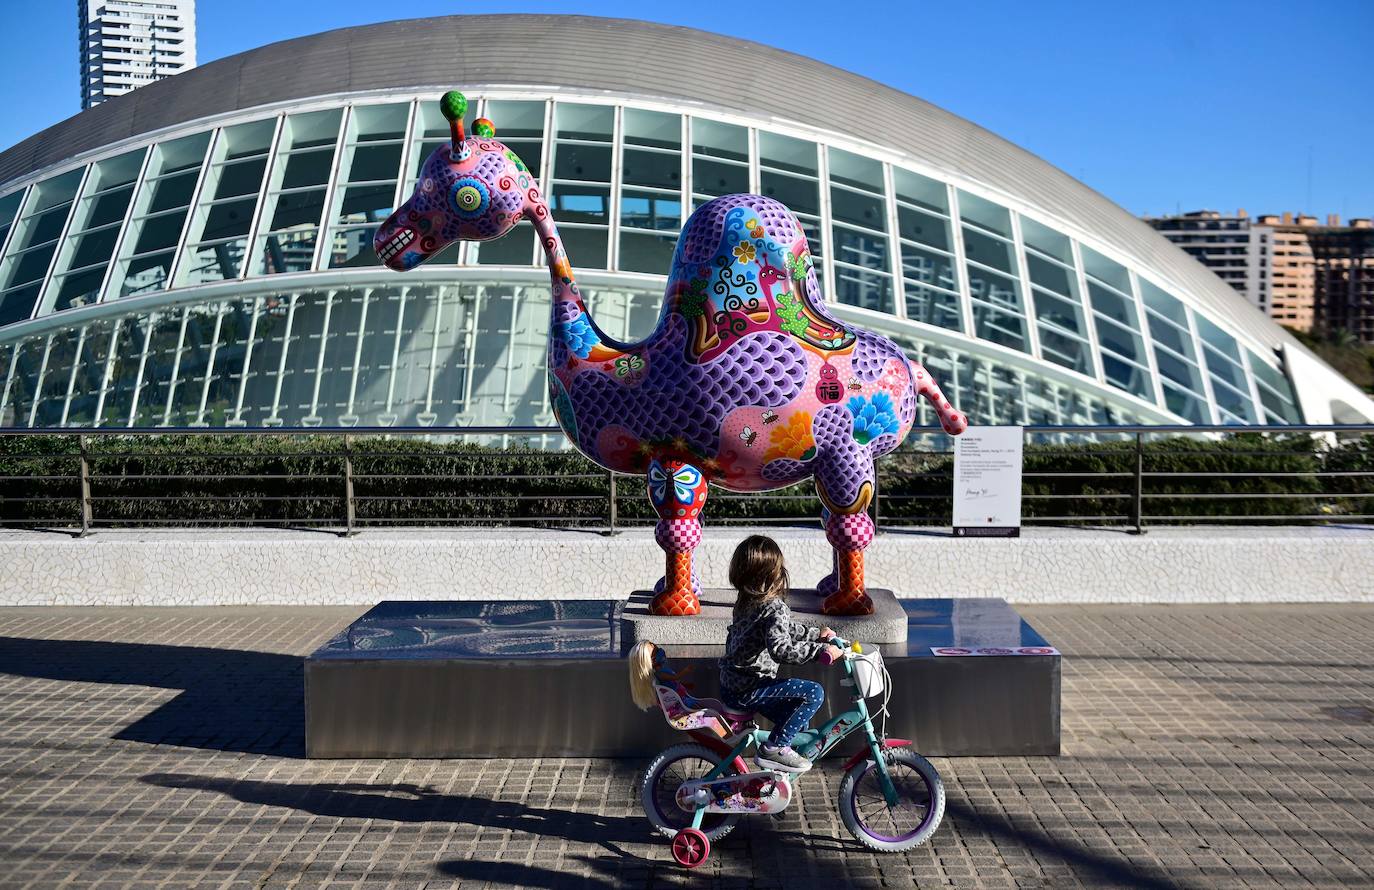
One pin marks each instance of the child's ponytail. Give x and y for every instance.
(642, 675)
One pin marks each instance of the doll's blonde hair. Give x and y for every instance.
(642, 675)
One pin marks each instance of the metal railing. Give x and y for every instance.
(344, 479)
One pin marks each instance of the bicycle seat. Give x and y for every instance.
(700, 713)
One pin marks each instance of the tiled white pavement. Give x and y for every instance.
(1204, 746)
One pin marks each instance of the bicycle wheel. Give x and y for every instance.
(665, 775)
(920, 802)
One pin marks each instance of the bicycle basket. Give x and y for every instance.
(869, 673)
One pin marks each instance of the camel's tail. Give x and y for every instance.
(953, 421)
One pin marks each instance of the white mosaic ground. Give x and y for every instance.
(264, 567)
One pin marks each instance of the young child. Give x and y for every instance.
(763, 634)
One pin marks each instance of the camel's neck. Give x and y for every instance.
(569, 320)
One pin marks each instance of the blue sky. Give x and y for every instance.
(1164, 105)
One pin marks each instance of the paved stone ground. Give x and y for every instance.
(1212, 746)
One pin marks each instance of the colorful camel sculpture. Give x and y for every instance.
(747, 381)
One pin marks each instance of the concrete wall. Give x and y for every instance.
(232, 567)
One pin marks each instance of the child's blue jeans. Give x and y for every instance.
(790, 704)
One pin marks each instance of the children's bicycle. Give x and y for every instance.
(891, 798)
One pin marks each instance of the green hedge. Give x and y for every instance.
(179, 479)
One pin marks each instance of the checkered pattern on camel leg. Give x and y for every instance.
(678, 492)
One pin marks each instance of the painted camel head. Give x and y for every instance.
(748, 382)
(474, 189)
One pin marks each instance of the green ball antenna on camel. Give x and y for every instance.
(453, 105)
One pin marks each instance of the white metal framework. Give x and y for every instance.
(221, 273)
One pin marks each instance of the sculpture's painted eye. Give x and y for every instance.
(470, 197)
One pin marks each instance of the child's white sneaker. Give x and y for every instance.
(781, 758)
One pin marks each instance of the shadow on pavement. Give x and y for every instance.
(415, 803)
(231, 700)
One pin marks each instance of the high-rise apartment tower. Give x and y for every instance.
(126, 44)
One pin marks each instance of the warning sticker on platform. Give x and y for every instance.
(993, 650)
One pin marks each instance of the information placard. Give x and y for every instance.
(987, 482)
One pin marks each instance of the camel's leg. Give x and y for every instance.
(849, 529)
(678, 492)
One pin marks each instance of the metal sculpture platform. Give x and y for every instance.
(887, 624)
(548, 679)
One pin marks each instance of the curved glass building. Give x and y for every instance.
(199, 252)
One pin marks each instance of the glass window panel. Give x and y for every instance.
(786, 153)
(115, 172)
(989, 251)
(313, 128)
(798, 194)
(265, 363)
(1222, 368)
(516, 120)
(31, 265)
(1053, 309)
(123, 372)
(246, 140)
(1165, 332)
(52, 389)
(1104, 270)
(420, 154)
(172, 191)
(920, 190)
(103, 209)
(160, 232)
(650, 210)
(990, 287)
(1217, 338)
(586, 247)
(869, 290)
(1046, 240)
(158, 367)
(1126, 375)
(27, 357)
(927, 267)
(652, 168)
(643, 252)
(147, 273)
(1163, 303)
(298, 208)
(379, 122)
(228, 220)
(9, 206)
(193, 365)
(923, 227)
(591, 122)
(237, 178)
(1123, 342)
(1115, 306)
(984, 213)
(856, 170)
(352, 247)
(287, 251)
(1183, 373)
(654, 128)
(582, 162)
(931, 306)
(53, 192)
(307, 168)
(366, 203)
(41, 228)
(713, 178)
(216, 261)
(1276, 395)
(370, 163)
(234, 325)
(859, 209)
(720, 140)
(516, 248)
(1051, 275)
(999, 327)
(1186, 404)
(16, 304)
(79, 288)
(1062, 349)
(1234, 403)
(580, 203)
(861, 249)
